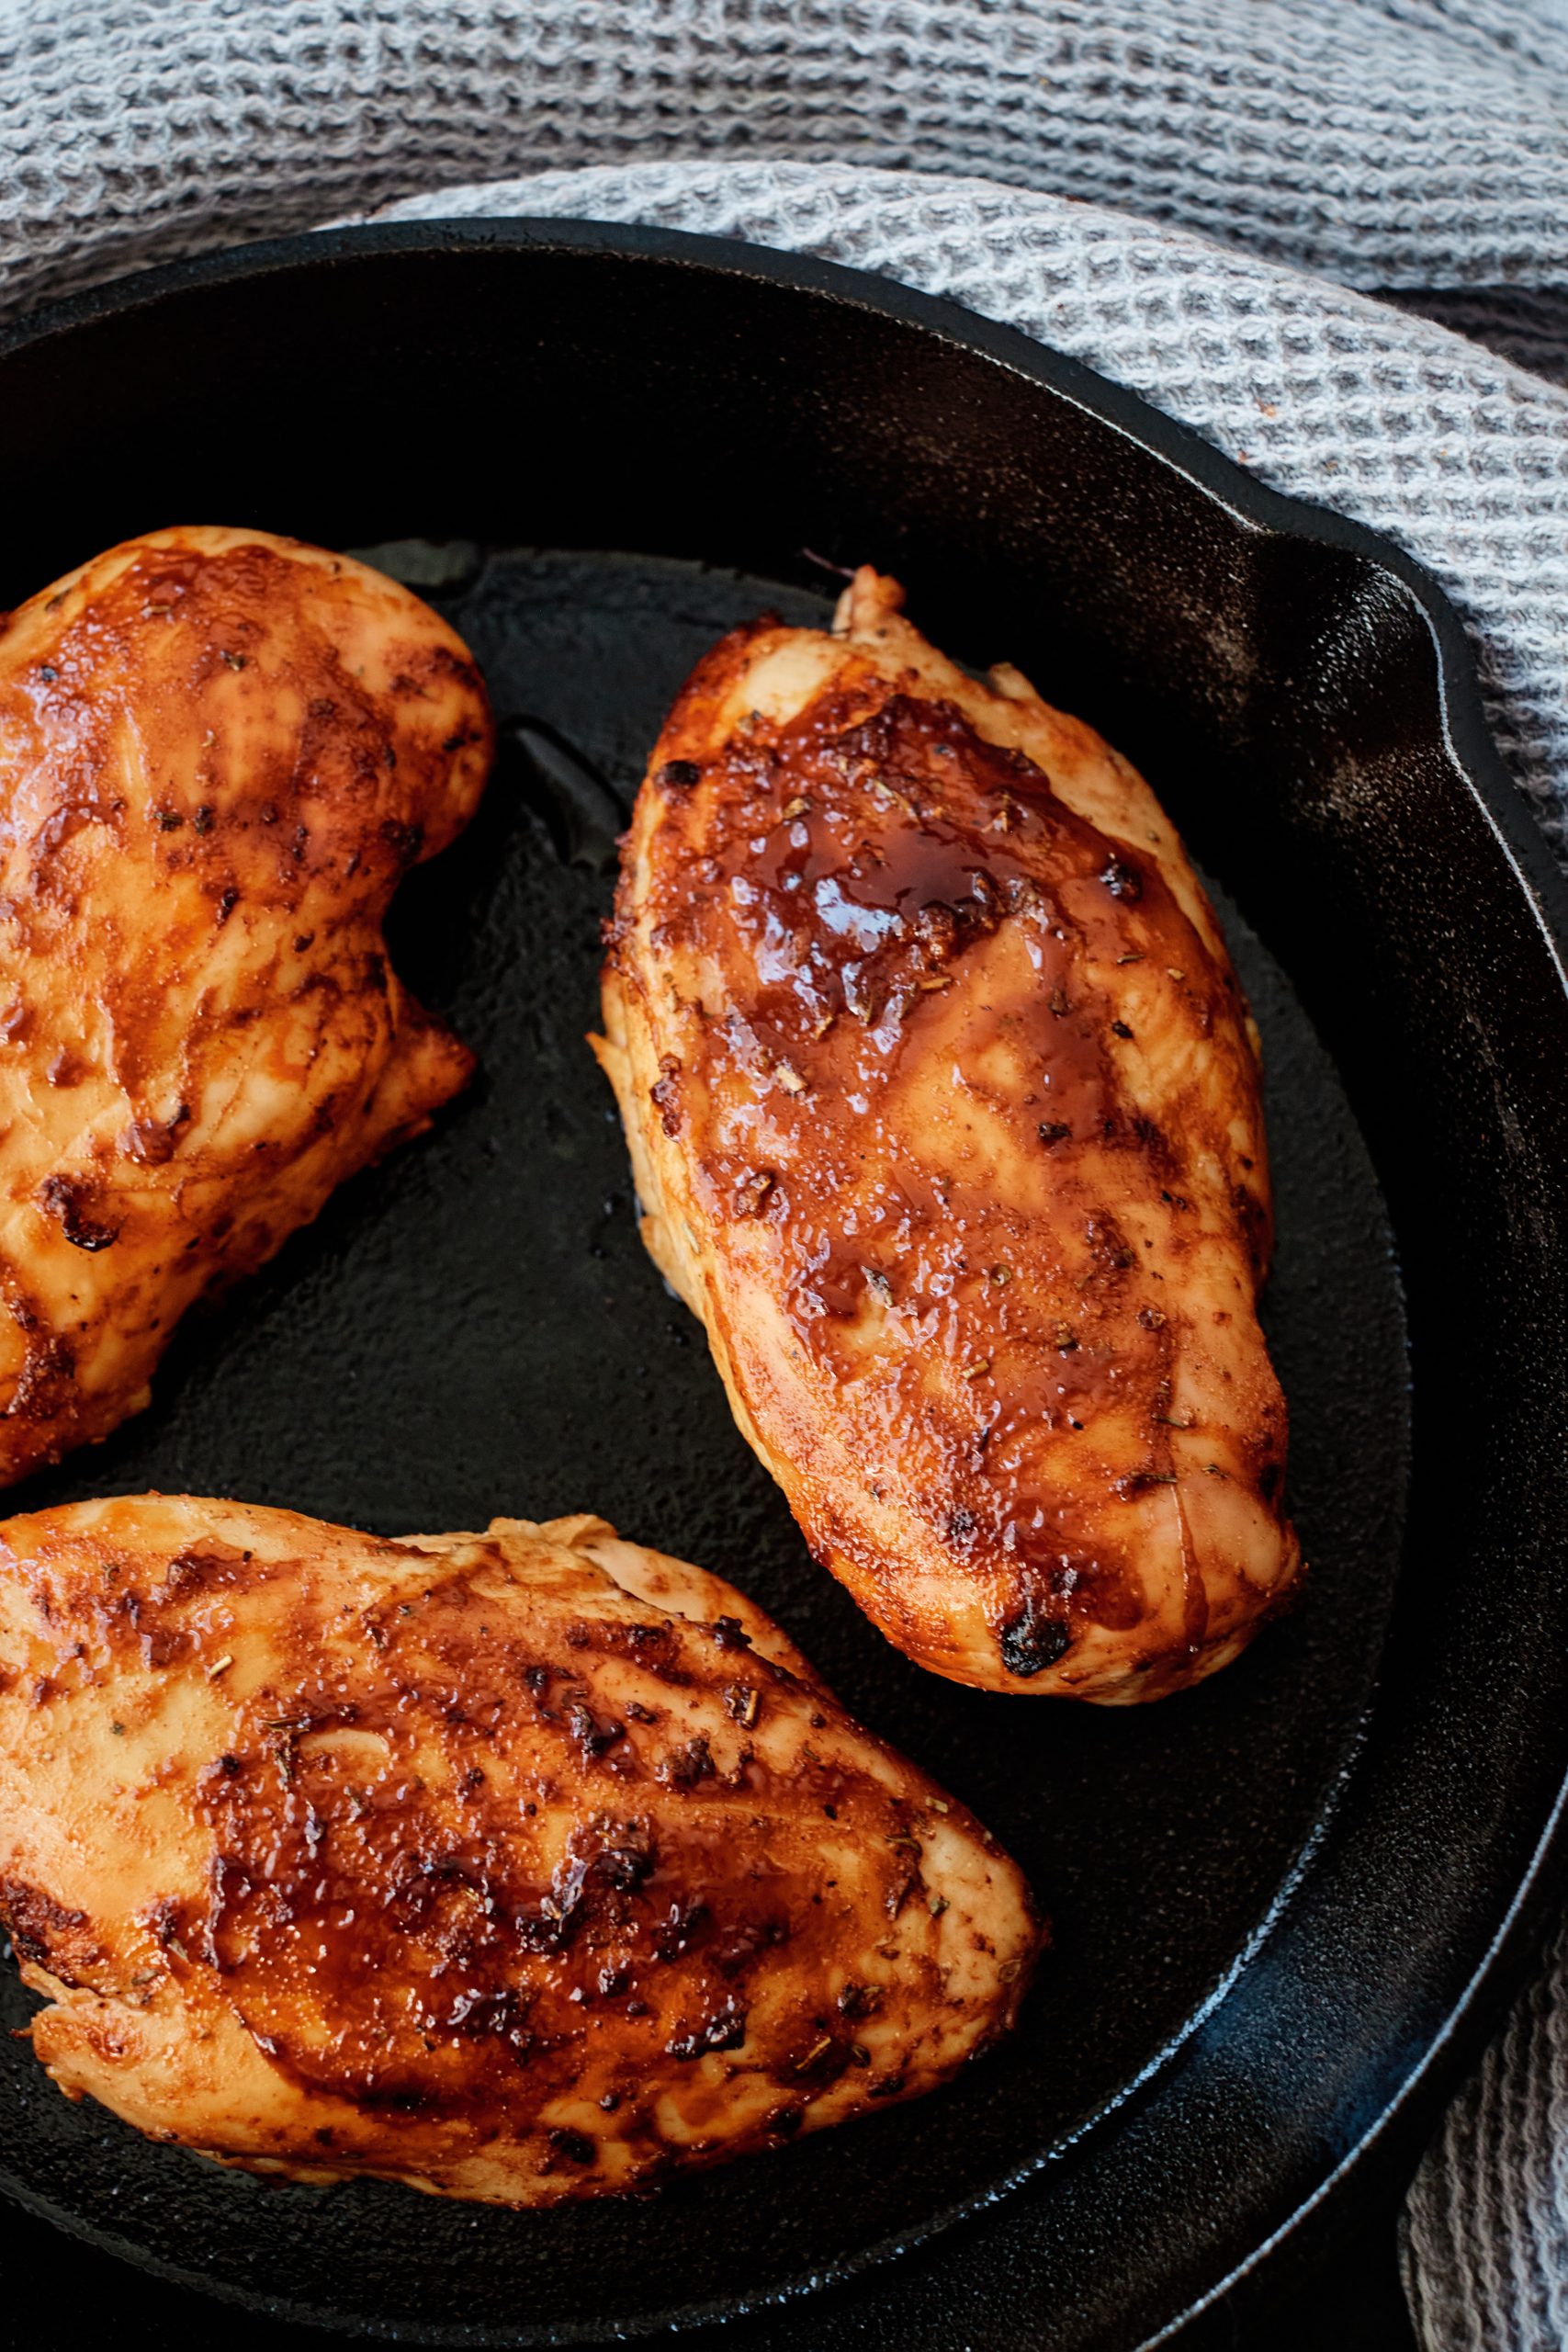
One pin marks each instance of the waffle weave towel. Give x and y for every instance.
(1414, 148)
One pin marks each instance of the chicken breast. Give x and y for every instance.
(517, 1867)
(218, 752)
(942, 1102)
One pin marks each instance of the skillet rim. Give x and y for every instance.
(1542, 882)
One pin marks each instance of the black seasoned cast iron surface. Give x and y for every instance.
(1272, 1896)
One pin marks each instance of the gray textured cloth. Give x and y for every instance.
(1391, 143)
(1416, 147)
(1482, 2251)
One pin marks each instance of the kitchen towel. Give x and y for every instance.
(1141, 185)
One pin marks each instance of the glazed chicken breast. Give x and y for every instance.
(518, 1867)
(943, 1108)
(218, 752)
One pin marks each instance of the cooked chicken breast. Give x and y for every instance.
(218, 752)
(516, 1867)
(942, 1103)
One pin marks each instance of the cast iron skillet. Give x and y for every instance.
(1285, 1903)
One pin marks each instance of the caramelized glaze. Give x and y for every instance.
(943, 1101)
(219, 753)
(474, 1861)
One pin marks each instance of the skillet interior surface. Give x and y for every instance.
(1270, 1896)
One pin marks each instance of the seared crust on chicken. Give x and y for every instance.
(218, 752)
(942, 1102)
(518, 1867)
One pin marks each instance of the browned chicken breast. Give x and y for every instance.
(219, 752)
(942, 1103)
(516, 1867)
